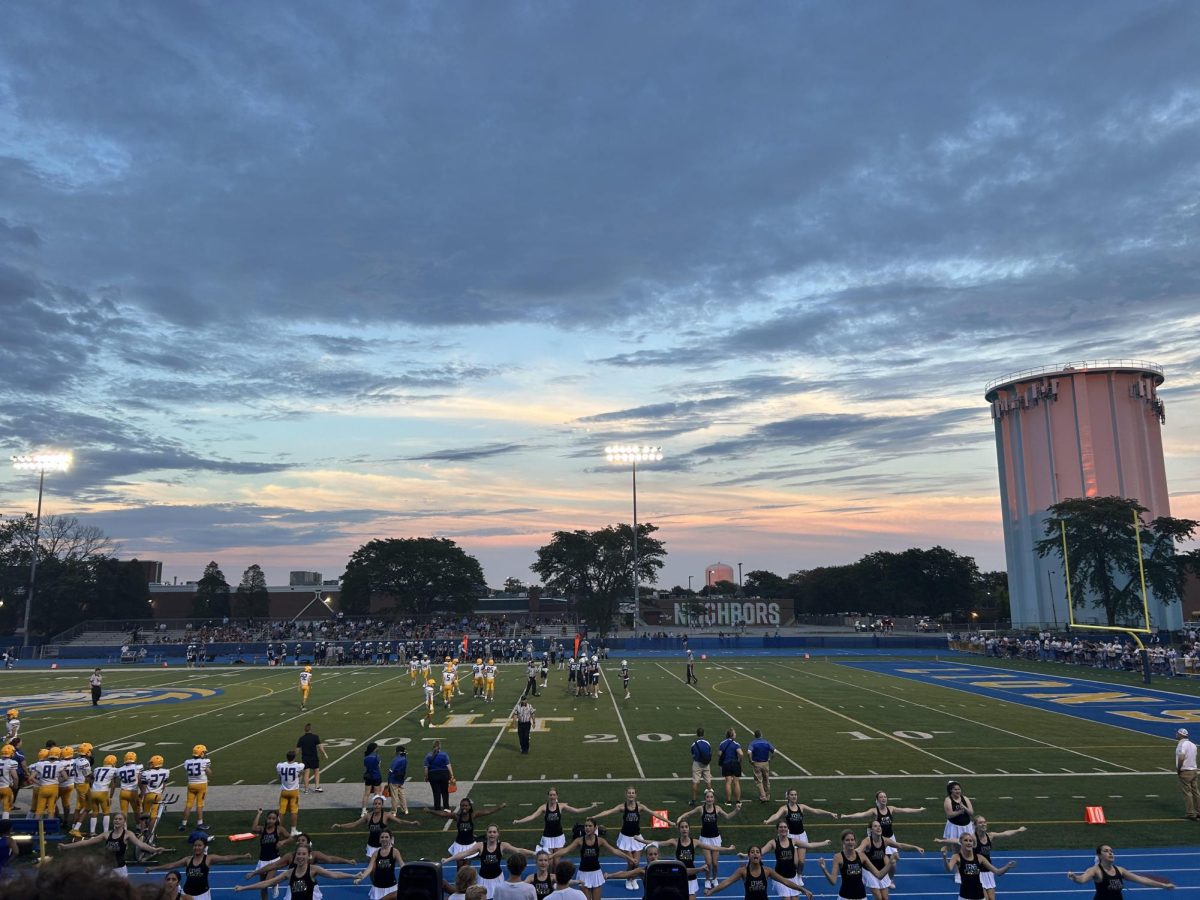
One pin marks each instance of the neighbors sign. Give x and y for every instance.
(730, 612)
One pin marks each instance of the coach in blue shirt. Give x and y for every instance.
(439, 773)
(701, 757)
(761, 751)
(397, 775)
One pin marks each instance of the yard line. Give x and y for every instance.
(621, 719)
(781, 754)
(974, 721)
(496, 740)
(844, 777)
(306, 714)
(363, 743)
(907, 744)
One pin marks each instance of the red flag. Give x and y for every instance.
(577, 645)
(465, 644)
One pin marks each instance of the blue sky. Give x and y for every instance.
(288, 276)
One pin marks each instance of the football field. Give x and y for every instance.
(843, 730)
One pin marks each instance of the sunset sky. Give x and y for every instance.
(290, 276)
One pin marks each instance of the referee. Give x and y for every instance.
(94, 681)
(525, 720)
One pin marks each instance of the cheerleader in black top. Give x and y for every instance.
(710, 832)
(970, 866)
(195, 868)
(875, 847)
(630, 839)
(551, 812)
(301, 878)
(464, 824)
(383, 869)
(885, 815)
(542, 878)
(491, 851)
(685, 852)
(851, 864)
(1110, 878)
(787, 851)
(116, 842)
(590, 847)
(271, 837)
(793, 812)
(983, 846)
(377, 820)
(958, 810)
(754, 877)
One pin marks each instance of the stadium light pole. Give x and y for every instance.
(40, 463)
(633, 454)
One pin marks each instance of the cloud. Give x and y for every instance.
(467, 454)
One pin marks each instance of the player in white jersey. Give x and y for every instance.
(46, 777)
(413, 667)
(13, 727)
(129, 780)
(83, 775)
(66, 787)
(8, 779)
(489, 680)
(104, 779)
(305, 685)
(430, 693)
(477, 679)
(154, 782)
(198, 770)
(289, 789)
(448, 679)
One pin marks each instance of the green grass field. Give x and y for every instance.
(842, 734)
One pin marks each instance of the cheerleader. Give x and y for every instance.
(301, 878)
(116, 842)
(551, 812)
(270, 839)
(590, 846)
(875, 847)
(542, 878)
(787, 850)
(885, 815)
(983, 846)
(383, 869)
(464, 823)
(958, 812)
(685, 852)
(195, 868)
(970, 866)
(630, 839)
(710, 832)
(1110, 878)
(793, 812)
(754, 877)
(376, 820)
(851, 864)
(491, 852)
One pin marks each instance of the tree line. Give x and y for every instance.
(79, 577)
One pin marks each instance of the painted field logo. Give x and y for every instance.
(116, 697)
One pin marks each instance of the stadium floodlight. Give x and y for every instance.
(632, 454)
(40, 463)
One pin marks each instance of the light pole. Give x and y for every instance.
(633, 454)
(40, 463)
(739, 579)
(690, 577)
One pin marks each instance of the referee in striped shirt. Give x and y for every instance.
(525, 720)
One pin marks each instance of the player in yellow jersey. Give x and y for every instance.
(477, 679)
(454, 669)
(289, 789)
(489, 680)
(430, 693)
(12, 726)
(198, 770)
(104, 779)
(154, 781)
(305, 684)
(129, 778)
(8, 778)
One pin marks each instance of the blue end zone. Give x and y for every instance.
(1140, 709)
(920, 878)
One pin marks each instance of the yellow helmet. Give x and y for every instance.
(68, 752)
(110, 760)
(308, 668)
(7, 750)
(42, 754)
(479, 661)
(130, 757)
(13, 713)
(156, 762)
(431, 682)
(447, 659)
(56, 752)
(491, 662)
(85, 749)
(199, 750)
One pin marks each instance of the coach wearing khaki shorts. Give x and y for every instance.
(701, 758)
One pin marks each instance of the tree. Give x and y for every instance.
(1102, 554)
(768, 585)
(421, 575)
(595, 568)
(211, 599)
(719, 589)
(252, 600)
(514, 585)
(118, 591)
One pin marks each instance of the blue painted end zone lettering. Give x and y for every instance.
(1137, 708)
(117, 697)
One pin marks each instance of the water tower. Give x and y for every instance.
(717, 572)
(1089, 429)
